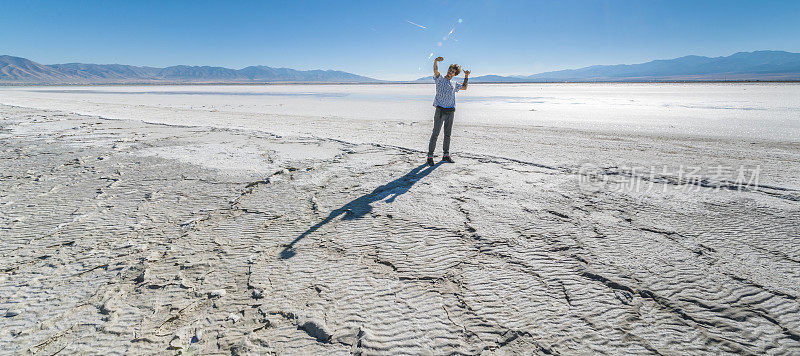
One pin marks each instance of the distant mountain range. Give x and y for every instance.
(759, 65)
(24, 71)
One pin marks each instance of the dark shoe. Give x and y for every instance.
(448, 159)
(430, 161)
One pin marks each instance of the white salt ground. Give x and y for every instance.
(306, 224)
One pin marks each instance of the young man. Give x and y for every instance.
(445, 103)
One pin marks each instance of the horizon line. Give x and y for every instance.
(411, 80)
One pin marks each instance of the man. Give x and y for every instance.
(445, 103)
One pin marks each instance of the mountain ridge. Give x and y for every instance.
(18, 70)
(740, 66)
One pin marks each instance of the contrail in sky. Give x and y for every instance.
(416, 24)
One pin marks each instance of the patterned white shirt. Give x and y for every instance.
(445, 92)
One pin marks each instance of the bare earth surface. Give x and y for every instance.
(134, 237)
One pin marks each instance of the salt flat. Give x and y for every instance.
(610, 218)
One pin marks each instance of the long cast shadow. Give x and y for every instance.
(362, 205)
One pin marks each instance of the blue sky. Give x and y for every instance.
(374, 38)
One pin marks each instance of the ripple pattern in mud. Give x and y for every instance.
(369, 252)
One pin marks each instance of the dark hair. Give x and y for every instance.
(456, 67)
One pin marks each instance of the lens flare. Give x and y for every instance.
(445, 38)
(416, 24)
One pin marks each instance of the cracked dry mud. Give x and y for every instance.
(114, 239)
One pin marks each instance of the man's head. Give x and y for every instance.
(453, 71)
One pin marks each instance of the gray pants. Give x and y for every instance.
(438, 118)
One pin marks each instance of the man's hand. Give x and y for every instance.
(439, 59)
(466, 73)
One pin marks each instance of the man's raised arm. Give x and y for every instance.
(466, 77)
(435, 67)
